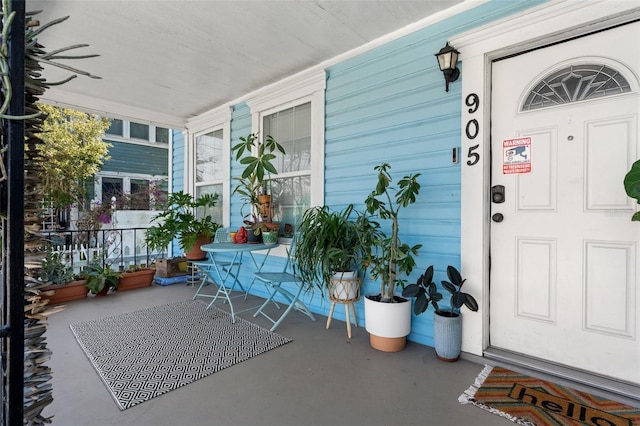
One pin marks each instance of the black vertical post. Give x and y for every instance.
(15, 219)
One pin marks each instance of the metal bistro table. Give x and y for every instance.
(223, 273)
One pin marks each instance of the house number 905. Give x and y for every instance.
(472, 128)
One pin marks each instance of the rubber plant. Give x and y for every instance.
(632, 186)
(390, 257)
(426, 293)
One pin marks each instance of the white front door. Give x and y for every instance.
(565, 258)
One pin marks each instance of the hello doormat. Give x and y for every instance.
(529, 401)
(146, 353)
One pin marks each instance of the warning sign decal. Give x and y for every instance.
(516, 157)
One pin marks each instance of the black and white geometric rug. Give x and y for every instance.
(140, 355)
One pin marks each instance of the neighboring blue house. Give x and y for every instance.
(554, 264)
(149, 146)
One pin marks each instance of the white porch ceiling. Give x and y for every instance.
(164, 61)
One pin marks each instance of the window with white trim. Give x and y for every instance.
(293, 114)
(209, 170)
(139, 192)
(291, 187)
(132, 131)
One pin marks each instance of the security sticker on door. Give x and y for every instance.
(516, 157)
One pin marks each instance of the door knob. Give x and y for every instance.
(497, 217)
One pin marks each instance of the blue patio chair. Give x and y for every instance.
(274, 281)
(222, 235)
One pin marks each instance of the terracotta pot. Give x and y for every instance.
(74, 290)
(136, 279)
(196, 253)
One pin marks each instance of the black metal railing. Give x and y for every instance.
(120, 248)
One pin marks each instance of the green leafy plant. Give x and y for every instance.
(98, 276)
(179, 219)
(426, 293)
(391, 257)
(328, 242)
(632, 186)
(55, 269)
(258, 166)
(74, 152)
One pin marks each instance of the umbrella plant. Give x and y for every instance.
(391, 257)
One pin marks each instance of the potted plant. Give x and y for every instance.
(331, 248)
(269, 236)
(387, 315)
(100, 279)
(64, 285)
(180, 220)
(135, 277)
(447, 323)
(252, 185)
(632, 186)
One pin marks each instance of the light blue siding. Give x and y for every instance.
(240, 127)
(177, 177)
(389, 105)
(177, 166)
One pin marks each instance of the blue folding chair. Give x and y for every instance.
(204, 267)
(274, 281)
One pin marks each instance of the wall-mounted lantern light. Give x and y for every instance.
(448, 59)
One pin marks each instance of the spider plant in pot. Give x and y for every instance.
(387, 315)
(447, 323)
(331, 248)
(254, 184)
(180, 219)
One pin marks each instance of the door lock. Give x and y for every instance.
(497, 194)
(497, 217)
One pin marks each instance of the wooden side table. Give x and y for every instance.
(345, 291)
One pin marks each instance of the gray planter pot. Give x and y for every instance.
(447, 335)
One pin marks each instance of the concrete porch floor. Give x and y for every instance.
(321, 378)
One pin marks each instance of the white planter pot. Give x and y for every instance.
(344, 285)
(387, 319)
(388, 324)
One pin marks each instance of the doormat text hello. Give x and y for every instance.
(564, 407)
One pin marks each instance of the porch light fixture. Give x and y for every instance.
(448, 59)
